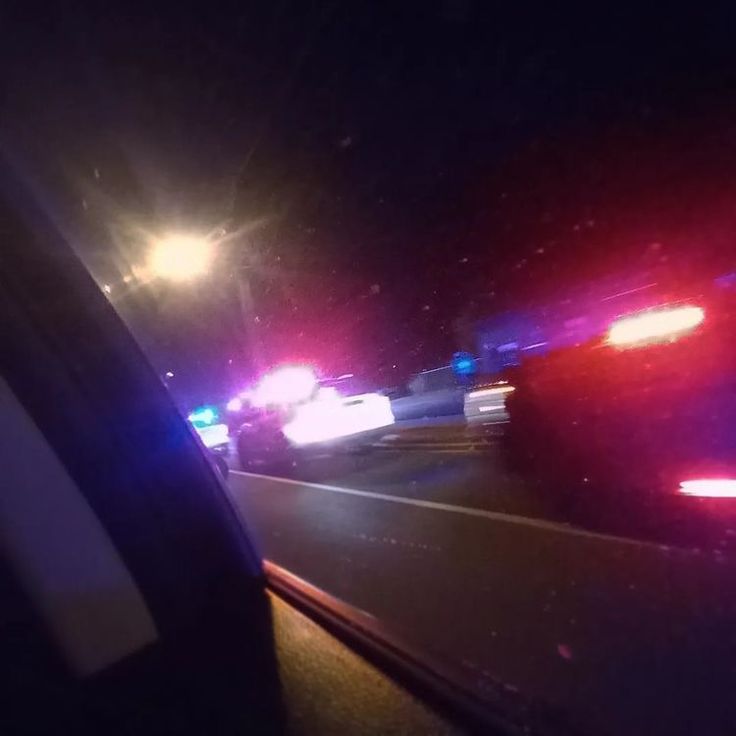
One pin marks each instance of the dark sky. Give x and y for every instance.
(394, 169)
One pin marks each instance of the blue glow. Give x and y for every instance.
(203, 416)
(463, 364)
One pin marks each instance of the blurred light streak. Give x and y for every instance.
(654, 325)
(709, 487)
(495, 391)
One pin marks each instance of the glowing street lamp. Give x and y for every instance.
(183, 257)
(180, 257)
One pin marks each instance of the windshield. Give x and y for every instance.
(450, 288)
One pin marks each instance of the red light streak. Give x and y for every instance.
(656, 325)
(709, 487)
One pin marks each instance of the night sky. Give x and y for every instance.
(386, 172)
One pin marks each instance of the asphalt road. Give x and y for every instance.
(621, 622)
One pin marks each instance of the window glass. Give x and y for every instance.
(450, 288)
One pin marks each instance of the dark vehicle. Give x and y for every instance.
(648, 408)
(261, 443)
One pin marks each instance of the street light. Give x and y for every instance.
(180, 257)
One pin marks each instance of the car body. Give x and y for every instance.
(219, 450)
(649, 407)
(278, 436)
(260, 440)
(214, 435)
(487, 403)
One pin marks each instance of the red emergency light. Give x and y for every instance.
(709, 487)
(654, 326)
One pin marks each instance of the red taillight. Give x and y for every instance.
(709, 487)
(655, 325)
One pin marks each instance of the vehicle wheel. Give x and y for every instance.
(247, 461)
(281, 463)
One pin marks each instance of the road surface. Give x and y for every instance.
(619, 624)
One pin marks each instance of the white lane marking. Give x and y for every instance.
(427, 448)
(420, 443)
(553, 526)
(465, 446)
